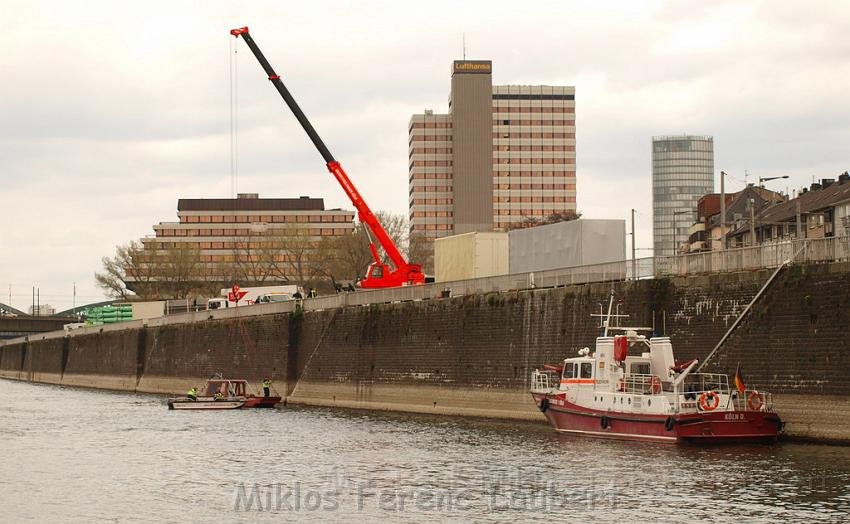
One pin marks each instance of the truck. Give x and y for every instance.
(379, 274)
(255, 295)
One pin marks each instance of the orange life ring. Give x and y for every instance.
(755, 401)
(655, 385)
(704, 399)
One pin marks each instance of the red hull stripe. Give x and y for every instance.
(611, 416)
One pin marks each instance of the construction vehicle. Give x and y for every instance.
(379, 274)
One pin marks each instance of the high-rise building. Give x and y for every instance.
(682, 172)
(502, 155)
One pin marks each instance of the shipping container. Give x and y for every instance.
(567, 244)
(470, 255)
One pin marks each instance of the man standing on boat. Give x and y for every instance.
(267, 384)
(192, 394)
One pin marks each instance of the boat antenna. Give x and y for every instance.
(608, 319)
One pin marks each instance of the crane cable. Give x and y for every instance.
(234, 117)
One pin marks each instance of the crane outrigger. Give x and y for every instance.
(379, 274)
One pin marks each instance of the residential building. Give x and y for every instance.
(258, 240)
(500, 156)
(819, 211)
(682, 172)
(706, 233)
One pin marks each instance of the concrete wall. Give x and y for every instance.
(472, 355)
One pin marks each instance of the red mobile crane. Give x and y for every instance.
(379, 275)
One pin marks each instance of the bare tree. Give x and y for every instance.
(180, 270)
(558, 216)
(420, 249)
(274, 255)
(131, 273)
(296, 252)
(346, 257)
(254, 261)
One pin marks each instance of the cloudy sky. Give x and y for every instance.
(112, 111)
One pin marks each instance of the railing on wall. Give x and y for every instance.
(764, 256)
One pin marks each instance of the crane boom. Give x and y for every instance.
(379, 274)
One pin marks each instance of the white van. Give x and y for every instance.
(268, 298)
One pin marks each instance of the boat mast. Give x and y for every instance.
(608, 318)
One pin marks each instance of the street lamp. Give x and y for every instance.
(675, 227)
(762, 180)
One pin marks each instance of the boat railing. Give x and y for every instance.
(643, 384)
(543, 380)
(703, 382)
(752, 400)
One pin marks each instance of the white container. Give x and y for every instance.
(567, 244)
(470, 255)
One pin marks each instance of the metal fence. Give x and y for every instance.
(740, 259)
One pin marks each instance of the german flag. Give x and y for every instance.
(739, 379)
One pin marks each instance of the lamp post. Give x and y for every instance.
(762, 180)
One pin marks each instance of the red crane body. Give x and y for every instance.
(379, 274)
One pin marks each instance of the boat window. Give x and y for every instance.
(586, 370)
(640, 368)
(569, 370)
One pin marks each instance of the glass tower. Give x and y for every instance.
(682, 172)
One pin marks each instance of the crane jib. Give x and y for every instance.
(404, 273)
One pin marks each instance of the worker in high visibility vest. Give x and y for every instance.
(267, 384)
(192, 394)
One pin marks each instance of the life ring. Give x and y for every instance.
(669, 423)
(755, 401)
(705, 398)
(544, 405)
(655, 385)
(604, 422)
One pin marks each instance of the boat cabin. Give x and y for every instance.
(226, 388)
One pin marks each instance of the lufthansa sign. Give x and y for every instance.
(473, 66)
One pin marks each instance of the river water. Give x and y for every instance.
(72, 455)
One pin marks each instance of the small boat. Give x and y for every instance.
(223, 393)
(631, 388)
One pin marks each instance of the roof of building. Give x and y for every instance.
(740, 203)
(251, 203)
(811, 200)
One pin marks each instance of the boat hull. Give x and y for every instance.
(261, 402)
(705, 427)
(224, 403)
(185, 403)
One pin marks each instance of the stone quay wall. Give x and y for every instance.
(473, 355)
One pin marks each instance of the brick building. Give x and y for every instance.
(250, 238)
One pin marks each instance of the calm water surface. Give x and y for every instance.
(73, 455)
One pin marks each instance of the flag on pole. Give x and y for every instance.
(739, 379)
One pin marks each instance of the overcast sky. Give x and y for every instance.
(112, 111)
